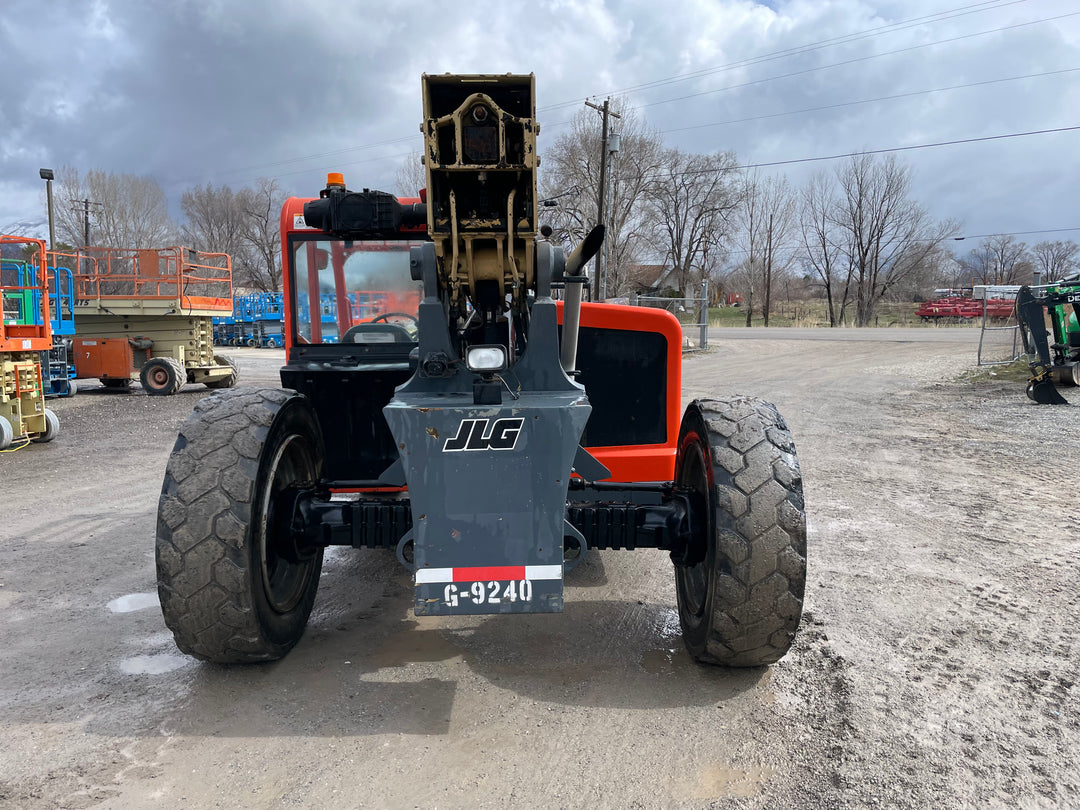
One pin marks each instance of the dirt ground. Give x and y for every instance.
(936, 665)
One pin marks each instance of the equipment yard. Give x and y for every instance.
(936, 664)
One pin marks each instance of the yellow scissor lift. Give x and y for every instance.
(25, 334)
(148, 314)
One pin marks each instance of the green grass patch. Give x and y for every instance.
(1015, 372)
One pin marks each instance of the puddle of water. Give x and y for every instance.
(133, 602)
(415, 646)
(154, 664)
(666, 661)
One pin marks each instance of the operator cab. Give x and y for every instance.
(353, 292)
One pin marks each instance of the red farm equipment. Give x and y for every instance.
(489, 435)
(25, 342)
(960, 309)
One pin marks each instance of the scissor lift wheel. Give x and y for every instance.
(162, 376)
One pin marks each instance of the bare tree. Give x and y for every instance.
(936, 271)
(999, 259)
(410, 176)
(215, 220)
(766, 216)
(570, 179)
(1057, 260)
(261, 264)
(887, 233)
(245, 224)
(827, 248)
(125, 211)
(693, 200)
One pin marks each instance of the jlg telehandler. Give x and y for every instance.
(490, 438)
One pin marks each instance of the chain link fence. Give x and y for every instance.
(1000, 341)
(693, 314)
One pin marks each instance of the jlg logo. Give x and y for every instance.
(483, 434)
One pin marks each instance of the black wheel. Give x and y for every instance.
(225, 382)
(740, 586)
(234, 587)
(114, 383)
(162, 376)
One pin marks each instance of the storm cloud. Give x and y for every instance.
(209, 91)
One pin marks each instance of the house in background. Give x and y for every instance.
(647, 279)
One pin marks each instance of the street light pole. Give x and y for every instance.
(47, 176)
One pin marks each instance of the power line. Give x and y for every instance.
(861, 152)
(870, 100)
(825, 67)
(338, 165)
(320, 155)
(808, 48)
(901, 148)
(856, 60)
(1014, 233)
(800, 160)
(950, 14)
(744, 252)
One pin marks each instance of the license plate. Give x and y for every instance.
(477, 590)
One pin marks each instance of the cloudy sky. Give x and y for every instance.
(191, 92)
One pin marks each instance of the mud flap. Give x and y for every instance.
(488, 488)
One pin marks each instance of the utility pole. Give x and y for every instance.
(606, 112)
(86, 217)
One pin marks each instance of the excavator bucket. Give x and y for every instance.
(1041, 389)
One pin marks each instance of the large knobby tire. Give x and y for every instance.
(233, 587)
(741, 600)
(225, 382)
(162, 376)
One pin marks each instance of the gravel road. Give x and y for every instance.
(936, 666)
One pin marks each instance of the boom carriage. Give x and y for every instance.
(490, 438)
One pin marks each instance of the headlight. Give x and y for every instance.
(485, 358)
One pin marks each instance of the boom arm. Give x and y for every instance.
(1029, 314)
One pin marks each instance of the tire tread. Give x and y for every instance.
(757, 603)
(205, 507)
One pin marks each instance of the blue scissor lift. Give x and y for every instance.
(256, 321)
(57, 370)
